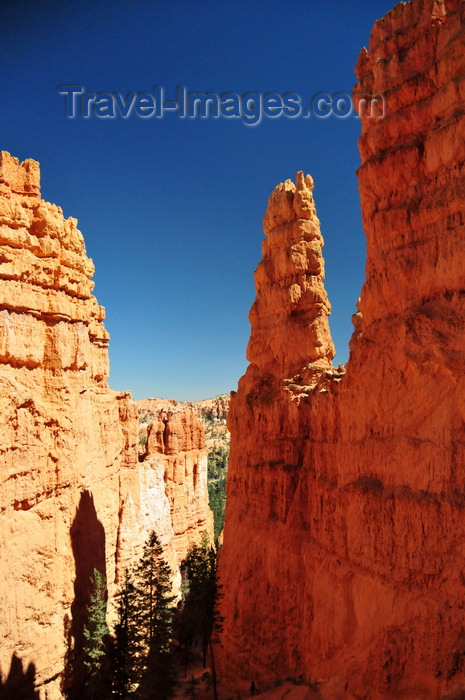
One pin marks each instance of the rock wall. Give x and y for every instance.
(73, 494)
(344, 545)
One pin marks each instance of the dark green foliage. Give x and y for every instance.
(201, 618)
(96, 629)
(159, 678)
(191, 690)
(127, 643)
(147, 417)
(142, 658)
(156, 619)
(207, 418)
(142, 652)
(217, 472)
(217, 462)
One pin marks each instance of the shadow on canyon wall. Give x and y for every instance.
(19, 684)
(88, 544)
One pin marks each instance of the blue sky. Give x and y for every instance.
(171, 209)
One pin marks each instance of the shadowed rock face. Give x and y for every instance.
(18, 683)
(73, 494)
(344, 542)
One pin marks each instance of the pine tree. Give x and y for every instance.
(155, 617)
(201, 616)
(128, 642)
(142, 656)
(96, 629)
(191, 690)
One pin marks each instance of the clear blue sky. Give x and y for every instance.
(171, 209)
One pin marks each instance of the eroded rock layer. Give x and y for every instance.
(73, 494)
(344, 546)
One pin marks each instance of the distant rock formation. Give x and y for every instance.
(344, 543)
(174, 449)
(73, 494)
(216, 409)
(211, 413)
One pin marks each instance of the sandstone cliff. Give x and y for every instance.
(73, 494)
(344, 543)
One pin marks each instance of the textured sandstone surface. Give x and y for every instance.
(344, 546)
(73, 493)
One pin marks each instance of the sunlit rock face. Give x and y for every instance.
(73, 494)
(215, 409)
(175, 450)
(289, 317)
(344, 544)
(66, 438)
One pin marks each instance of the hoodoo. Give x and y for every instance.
(344, 543)
(289, 317)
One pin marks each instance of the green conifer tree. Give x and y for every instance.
(191, 690)
(155, 617)
(200, 616)
(96, 629)
(127, 652)
(142, 656)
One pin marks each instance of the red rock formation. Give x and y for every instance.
(65, 438)
(175, 451)
(289, 317)
(215, 409)
(73, 495)
(344, 543)
(212, 414)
